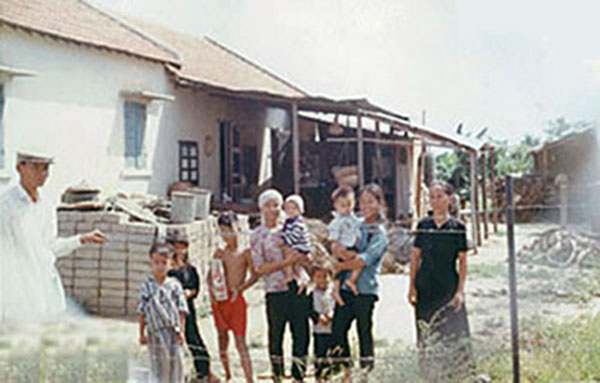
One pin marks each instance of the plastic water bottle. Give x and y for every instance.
(219, 284)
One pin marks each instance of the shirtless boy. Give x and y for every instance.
(230, 315)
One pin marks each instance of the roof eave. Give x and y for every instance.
(69, 39)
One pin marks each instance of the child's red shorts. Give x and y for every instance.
(231, 316)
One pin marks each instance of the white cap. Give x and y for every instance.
(34, 154)
(295, 198)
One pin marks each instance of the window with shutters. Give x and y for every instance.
(135, 129)
(2, 164)
(188, 162)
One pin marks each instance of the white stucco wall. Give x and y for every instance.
(73, 108)
(192, 117)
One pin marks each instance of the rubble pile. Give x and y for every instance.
(563, 248)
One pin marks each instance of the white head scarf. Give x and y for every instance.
(268, 195)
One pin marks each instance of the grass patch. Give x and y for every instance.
(487, 270)
(551, 352)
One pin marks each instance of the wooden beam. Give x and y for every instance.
(484, 194)
(405, 126)
(493, 189)
(296, 148)
(360, 151)
(474, 226)
(383, 141)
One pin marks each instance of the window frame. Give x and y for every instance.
(186, 147)
(138, 159)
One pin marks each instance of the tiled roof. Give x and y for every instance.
(208, 62)
(79, 22)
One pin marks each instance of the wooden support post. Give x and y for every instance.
(493, 188)
(474, 213)
(512, 280)
(419, 180)
(477, 206)
(484, 195)
(378, 155)
(360, 151)
(296, 148)
(564, 208)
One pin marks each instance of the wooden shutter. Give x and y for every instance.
(188, 162)
(135, 129)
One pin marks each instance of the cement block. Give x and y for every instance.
(117, 236)
(87, 253)
(83, 227)
(120, 228)
(112, 293)
(86, 264)
(114, 246)
(66, 226)
(143, 239)
(87, 273)
(113, 274)
(70, 216)
(138, 248)
(86, 283)
(104, 227)
(112, 255)
(141, 267)
(94, 246)
(135, 280)
(115, 217)
(140, 228)
(93, 216)
(113, 285)
(112, 265)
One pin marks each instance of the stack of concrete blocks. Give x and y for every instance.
(106, 278)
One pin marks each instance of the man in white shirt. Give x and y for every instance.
(30, 286)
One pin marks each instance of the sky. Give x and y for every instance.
(508, 65)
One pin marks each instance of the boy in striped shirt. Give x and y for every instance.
(162, 312)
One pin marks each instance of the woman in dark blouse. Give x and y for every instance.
(437, 289)
(187, 275)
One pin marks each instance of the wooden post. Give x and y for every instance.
(512, 280)
(562, 188)
(493, 189)
(477, 206)
(378, 155)
(360, 151)
(484, 195)
(420, 165)
(296, 148)
(474, 213)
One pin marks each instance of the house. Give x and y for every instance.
(111, 103)
(576, 156)
(125, 104)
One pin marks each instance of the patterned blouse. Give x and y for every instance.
(264, 243)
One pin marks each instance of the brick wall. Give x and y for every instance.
(105, 279)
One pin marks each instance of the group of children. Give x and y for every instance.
(167, 315)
